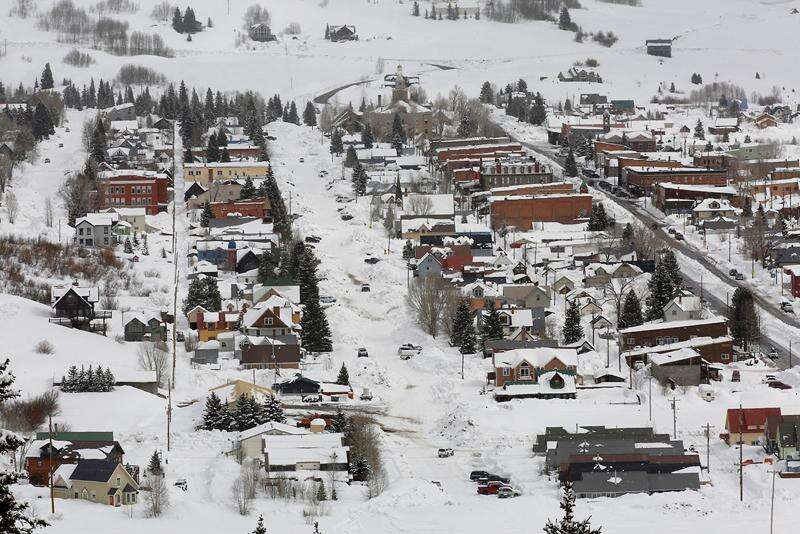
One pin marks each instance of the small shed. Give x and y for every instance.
(659, 47)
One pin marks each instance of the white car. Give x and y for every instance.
(408, 351)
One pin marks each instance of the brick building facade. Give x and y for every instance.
(134, 189)
(521, 211)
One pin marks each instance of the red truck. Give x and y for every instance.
(490, 488)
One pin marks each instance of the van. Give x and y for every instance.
(735, 376)
(706, 392)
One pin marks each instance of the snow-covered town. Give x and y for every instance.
(345, 267)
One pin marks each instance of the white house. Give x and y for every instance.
(683, 308)
(94, 230)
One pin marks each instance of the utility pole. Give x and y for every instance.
(790, 354)
(707, 430)
(772, 503)
(462, 365)
(674, 418)
(169, 415)
(650, 396)
(741, 456)
(50, 436)
(175, 153)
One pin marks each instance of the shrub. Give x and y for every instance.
(76, 58)
(116, 6)
(605, 39)
(139, 75)
(591, 62)
(44, 347)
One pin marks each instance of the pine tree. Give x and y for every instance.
(631, 311)
(154, 467)
(15, 517)
(315, 334)
(469, 340)
(339, 423)
(344, 377)
(128, 247)
(398, 131)
(214, 416)
(568, 525)
(597, 219)
(336, 142)
(292, 116)
(564, 20)
(570, 167)
(627, 233)
(367, 138)
(177, 21)
(743, 318)
(538, 112)
(206, 215)
(47, 77)
(408, 250)
(196, 296)
(661, 292)
(572, 331)
(212, 298)
(359, 179)
(321, 496)
(699, 132)
(461, 319)
(273, 410)
(670, 263)
(212, 149)
(245, 413)
(487, 94)
(260, 528)
(248, 189)
(42, 122)
(310, 115)
(224, 156)
(491, 328)
(266, 267)
(350, 158)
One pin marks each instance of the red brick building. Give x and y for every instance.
(666, 332)
(522, 211)
(134, 189)
(251, 207)
(645, 177)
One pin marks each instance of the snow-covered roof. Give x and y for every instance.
(538, 357)
(96, 219)
(272, 426)
(715, 205)
(694, 342)
(91, 294)
(673, 356)
(541, 386)
(687, 304)
(646, 327)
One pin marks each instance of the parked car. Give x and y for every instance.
(739, 276)
(327, 301)
(182, 484)
(408, 350)
(507, 492)
(490, 488)
(678, 236)
(732, 272)
(346, 216)
(706, 392)
(497, 478)
(768, 378)
(372, 260)
(179, 336)
(777, 384)
(365, 288)
(302, 160)
(312, 398)
(475, 476)
(47, 160)
(446, 453)
(671, 230)
(366, 395)
(787, 307)
(313, 239)
(772, 353)
(60, 145)
(362, 353)
(736, 376)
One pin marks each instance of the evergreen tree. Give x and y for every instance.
(248, 189)
(224, 156)
(461, 320)
(469, 340)
(321, 496)
(15, 517)
(627, 233)
(273, 411)
(260, 528)
(564, 20)
(336, 142)
(315, 334)
(190, 22)
(398, 131)
(408, 250)
(292, 115)
(214, 417)
(367, 138)
(631, 311)
(339, 423)
(670, 264)
(661, 292)
(266, 267)
(699, 132)
(397, 144)
(570, 167)
(42, 123)
(359, 179)
(310, 115)
(491, 328)
(177, 21)
(597, 219)
(487, 95)
(572, 331)
(196, 296)
(538, 112)
(344, 377)
(47, 77)
(415, 9)
(568, 525)
(350, 158)
(154, 467)
(212, 149)
(206, 215)
(213, 299)
(245, 413)
(743, 318)
(128, 248)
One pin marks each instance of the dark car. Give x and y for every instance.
(736, 376)
(313, 239)
(777, 384)
(739, 276)
(346, 216)
(678, 236)
(732, 272)
(477, 475)
(372, 260)
(362, 353)
(497, 478)
(365, 288)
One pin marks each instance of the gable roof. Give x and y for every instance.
(94, 470)
(749, 419)
(537, 357)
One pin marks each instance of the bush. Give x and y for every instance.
(139, 75)
(591, 62)
(189, 343)
(116, 6)
(605, 39)
(44, 347)
(76, 58)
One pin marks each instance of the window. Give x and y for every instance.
(524, 372)
(268, 321)
(80, 231)
(506, 371)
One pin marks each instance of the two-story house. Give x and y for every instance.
(94, 230)
(539, 373)
(273, 317)
(683, 308)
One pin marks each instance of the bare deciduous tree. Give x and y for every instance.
(22, 9)
(256, 14)
(48, 212)
(427, 298)
(162, 11)
(154, 357)
(157, 499)
(420, 204)
(12, 206)
(239, 497)
(251, 477)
